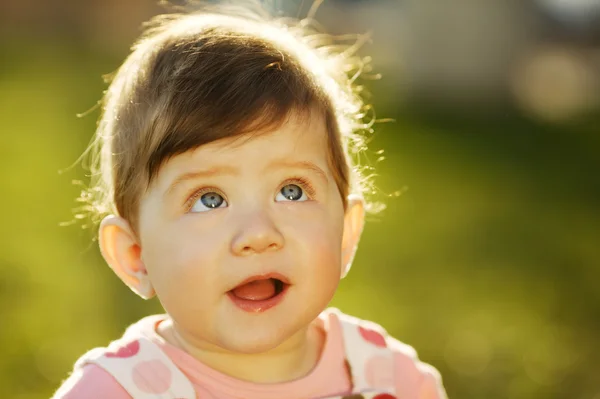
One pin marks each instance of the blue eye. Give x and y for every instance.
(208, 201)
(291, 192)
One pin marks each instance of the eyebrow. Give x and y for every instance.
(307, 165)
(199, 174)
(230, 170)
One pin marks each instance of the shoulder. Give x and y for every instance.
(95, 376)
(91, 382)
(412, 377)
(411, 374)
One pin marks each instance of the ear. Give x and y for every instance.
(354, 220)
(120, 248)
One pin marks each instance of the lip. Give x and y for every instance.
(258, 306)
(264, 305)
(266, 276)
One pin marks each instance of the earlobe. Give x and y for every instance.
(354, 220)
(121, 250)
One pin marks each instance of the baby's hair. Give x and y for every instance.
(221, 71)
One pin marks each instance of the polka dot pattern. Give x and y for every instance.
(143, 369)
(379, 372)
(126, 351)
(152, 376)
(372, 336)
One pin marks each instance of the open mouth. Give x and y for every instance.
(259, 293)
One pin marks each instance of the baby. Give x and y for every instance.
(227, 186)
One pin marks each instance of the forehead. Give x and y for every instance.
(298, 138)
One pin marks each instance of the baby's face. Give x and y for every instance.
(265, 210)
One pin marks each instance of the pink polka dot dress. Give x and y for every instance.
(372, 365)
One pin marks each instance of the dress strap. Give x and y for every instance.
(370, 361)
(142, 369)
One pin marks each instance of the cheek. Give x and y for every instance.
(322, 267)
(325, 243)
(320, 234)
(180, 257)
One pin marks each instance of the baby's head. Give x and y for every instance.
(224, 161)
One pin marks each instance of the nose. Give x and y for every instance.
(257, 234)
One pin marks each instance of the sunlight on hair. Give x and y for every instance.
(331, 62)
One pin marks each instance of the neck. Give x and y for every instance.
(291, 360)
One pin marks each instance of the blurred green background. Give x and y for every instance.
(488, 263)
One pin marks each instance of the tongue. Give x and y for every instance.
(257, 290)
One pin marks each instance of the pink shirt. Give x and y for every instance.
(413, 379)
